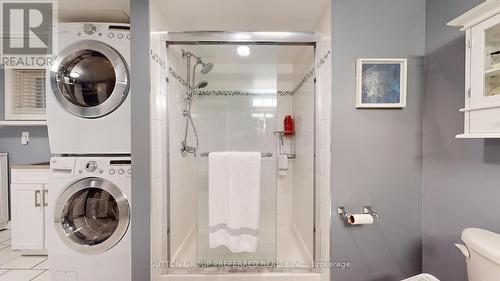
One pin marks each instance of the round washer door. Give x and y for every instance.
(92, 216)
(90, 79)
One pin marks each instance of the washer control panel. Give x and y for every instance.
(117, 32)
(96, 166)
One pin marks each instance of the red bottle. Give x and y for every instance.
(288, 125)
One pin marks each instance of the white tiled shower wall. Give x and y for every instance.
(159, 143)
(295, 189)
(323, 137)
(284, 183)
(238, 123)
(158, 148)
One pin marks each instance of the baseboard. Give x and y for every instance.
(302, 243)
(33, 252)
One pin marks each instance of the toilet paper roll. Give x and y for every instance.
(356, 219)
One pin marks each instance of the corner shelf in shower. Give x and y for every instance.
(284, 134)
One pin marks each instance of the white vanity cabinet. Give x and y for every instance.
(29, 195)
(482, 81)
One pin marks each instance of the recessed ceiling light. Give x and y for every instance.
(243, 51)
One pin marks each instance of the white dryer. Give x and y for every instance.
(88, 232)
(88, 90)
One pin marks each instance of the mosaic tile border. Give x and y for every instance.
(177, 76)
(282, 93)
(229, 93)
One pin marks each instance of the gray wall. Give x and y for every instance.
(461, 177)
(10, 139)
(377, 154)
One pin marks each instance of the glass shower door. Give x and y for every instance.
(237, 112)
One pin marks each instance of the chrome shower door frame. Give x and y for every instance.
(254, 38)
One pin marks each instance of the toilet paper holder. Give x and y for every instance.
(367, 209)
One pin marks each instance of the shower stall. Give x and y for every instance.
(225, 93)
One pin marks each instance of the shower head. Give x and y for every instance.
(207, 67)
(201, 85)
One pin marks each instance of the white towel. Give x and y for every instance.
(234, 200)
(282, 165)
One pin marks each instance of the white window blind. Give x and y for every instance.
(25, 94)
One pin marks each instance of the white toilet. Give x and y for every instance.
(422, 277)
(482, 253)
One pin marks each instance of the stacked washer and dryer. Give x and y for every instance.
(88, 108)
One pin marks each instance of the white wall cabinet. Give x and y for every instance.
(482, 81)
(29, 195)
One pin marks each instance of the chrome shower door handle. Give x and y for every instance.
(37, 194)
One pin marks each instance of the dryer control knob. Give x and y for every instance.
(91, 166)
(89, 28)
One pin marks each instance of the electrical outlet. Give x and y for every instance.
(25, 138)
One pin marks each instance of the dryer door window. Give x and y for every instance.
(92, 216)
(90, 79)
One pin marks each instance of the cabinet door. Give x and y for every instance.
(27, 217)
(483, 112)
(47, 215)
(485, 63)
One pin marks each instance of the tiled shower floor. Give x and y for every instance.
(14, 267)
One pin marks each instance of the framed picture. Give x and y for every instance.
(381, 83)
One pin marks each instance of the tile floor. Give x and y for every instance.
(14, 267)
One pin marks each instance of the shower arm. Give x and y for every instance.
(187, 54)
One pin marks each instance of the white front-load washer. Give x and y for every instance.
(89, 211)
(88, 90)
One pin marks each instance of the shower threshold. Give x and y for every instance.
(264, 276)
(289, 249)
